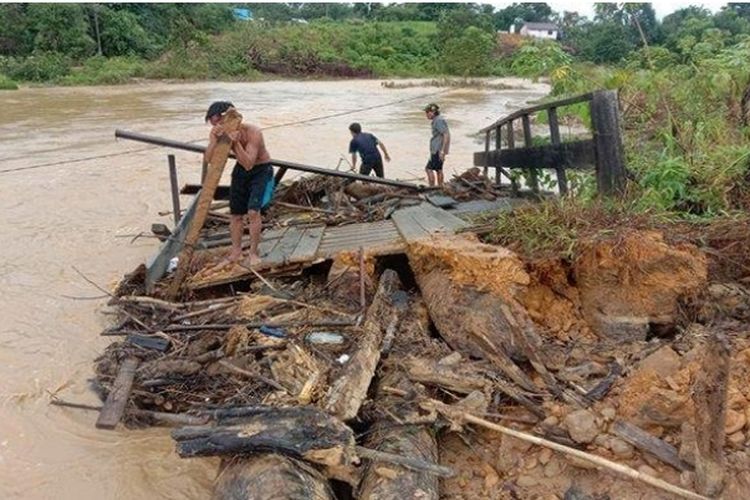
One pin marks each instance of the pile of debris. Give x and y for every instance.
(623, 371)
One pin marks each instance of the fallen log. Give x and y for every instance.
(267, 477)
(114, 406)
(301, 432)
(650, 444)
(471, 322)
(710, 399)
(349, 390)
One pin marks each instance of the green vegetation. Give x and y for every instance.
(7, 84)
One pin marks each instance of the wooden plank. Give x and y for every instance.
(231, 122)
(498, 146)
(422, 220)
(174, 188)
(554, 135)
(527, 141)
(441, 200)
(610, 157)
(487, 150)
(651, 444)
(573, 154)
(539, 107)
(114, 407)
(284, 248)
(308, 245)
(156, 266)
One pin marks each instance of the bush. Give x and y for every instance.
(38, 67)
(99, 70)
(6, 83)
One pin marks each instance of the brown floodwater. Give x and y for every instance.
(83, 215)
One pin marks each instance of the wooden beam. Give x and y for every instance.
(231, 122)
(554, 135)
(114, 407)
(539, 107)
(533, 174)
(610, 158)
(710, 400)
(650, 444)
(573, 155)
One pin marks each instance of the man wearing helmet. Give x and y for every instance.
(440, 143)
(252, 180)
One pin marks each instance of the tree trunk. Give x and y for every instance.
(270, 477)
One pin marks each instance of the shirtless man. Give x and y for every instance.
(252, 180)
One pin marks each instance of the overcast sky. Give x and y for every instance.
(587, 8)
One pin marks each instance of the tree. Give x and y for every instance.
(468, 54)
(60, 28)
(529, 12)
(121, 34)
(14, 32)
(454, 22)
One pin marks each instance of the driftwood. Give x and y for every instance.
(349, 390)
(301, 432)
(460, 377)
(231, 122)
(651, 444)
(471, 322)
(710, 399)
(114, 406)
(267, 477)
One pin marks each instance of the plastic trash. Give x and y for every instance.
(343, 359)
(272, 331)
(325, 338)
(173, 264)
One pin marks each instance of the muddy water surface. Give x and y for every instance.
(83, 215)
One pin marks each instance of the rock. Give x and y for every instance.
(602, 441)
(686, 479)
(451, 359)
(552, 469)
(544, 456)
(581, 426)
(665, 362)
(634, 280)
(608, 413)
(735, 422)
(620, 448)
(386, 472)
(550, 421)
(533, 462)
(580, 463)
(526, 481)
(736, 440)
(491, 477)
(650, 471)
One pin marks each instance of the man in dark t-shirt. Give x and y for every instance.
(367, 146)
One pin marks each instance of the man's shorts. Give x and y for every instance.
(250, 190)
(377, 166)
(434, 163)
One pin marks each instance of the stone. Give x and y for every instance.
(736, 440)
(581, 425)
(533, 462)
(551, 421)
(526, 481)
(544, 456)
(552, 468)
(735, 421)
(648, 470)
(491, 477)
(608, 413)
(686, 479)
(621, 448)
(579, 463)
(665, 362)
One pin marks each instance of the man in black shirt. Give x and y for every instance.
(367, 146)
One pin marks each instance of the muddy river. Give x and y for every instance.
(82, 215)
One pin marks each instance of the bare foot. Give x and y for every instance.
(253, 259)
(230, 260)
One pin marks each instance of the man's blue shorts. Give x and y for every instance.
(434, 163)
(250, 190)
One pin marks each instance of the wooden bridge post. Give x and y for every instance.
(554, 135)
(511, 139)
(498, 147)
(175, 189)
(610, 159)
(486, 154)
(533, 180)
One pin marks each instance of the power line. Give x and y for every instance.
(288, 124)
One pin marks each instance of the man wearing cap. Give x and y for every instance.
(252, 180)
(439, 144)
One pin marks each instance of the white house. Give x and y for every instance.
(548, 31)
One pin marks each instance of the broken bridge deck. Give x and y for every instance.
(300, 247)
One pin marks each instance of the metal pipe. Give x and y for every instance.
(175, 189)
(196, 148)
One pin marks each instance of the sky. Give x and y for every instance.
(587, 8)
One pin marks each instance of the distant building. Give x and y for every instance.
(243, 14)
(548, 31)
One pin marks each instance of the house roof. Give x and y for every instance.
(541, 26)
